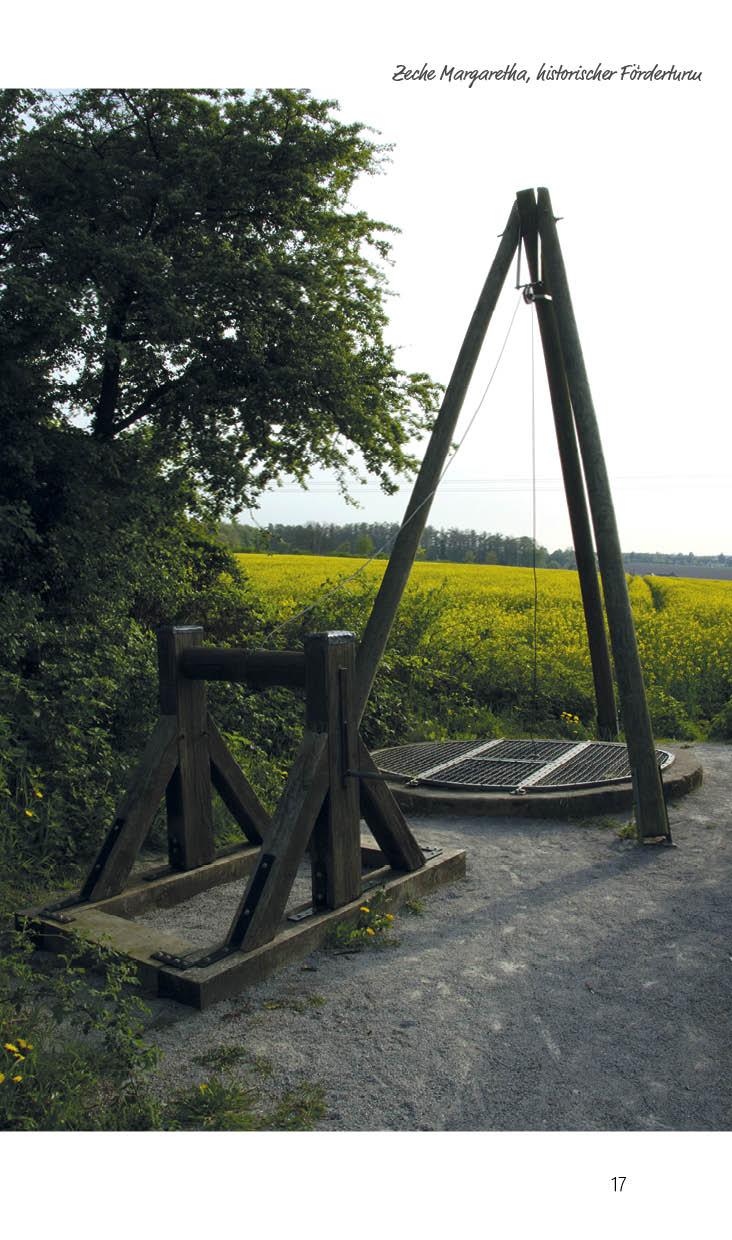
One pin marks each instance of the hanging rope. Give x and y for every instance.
(535, 670)
(323, 595)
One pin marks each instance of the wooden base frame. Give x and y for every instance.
(332, 785)
(107, 922)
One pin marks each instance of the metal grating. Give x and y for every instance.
(508, 765)
(527, 751)
(484, 773)
(407, 761)
(602, 760)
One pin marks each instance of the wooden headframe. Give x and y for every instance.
(333, 780)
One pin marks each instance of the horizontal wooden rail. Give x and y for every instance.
(260, 668)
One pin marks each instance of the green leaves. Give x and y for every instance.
(189, 308)
(190, 263)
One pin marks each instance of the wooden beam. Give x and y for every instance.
(136, 811)
(203, 987)
(188, 797)
(259, 668)
(265, 899)
(385, 819)
(399, 566)
(234, 788)
(166, 888)
(335, 844)
(650, 805)
(574, 488)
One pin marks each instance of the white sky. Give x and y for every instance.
(641, 175)
(634, 169)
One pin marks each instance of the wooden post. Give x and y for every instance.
(648, 791)
(607, 723)
(188, 795)
(335, 845)
(399, 566)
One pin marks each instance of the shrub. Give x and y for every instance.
(73, 1054)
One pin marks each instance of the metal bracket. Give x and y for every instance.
(303, 913)
(368, 884)
(182, 963)
(535, 292)
(371, 775)
(102, 858)
(51, 909)
(254, 895)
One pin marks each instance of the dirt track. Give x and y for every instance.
(572, 981)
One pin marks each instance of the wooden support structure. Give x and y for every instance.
(579, 518)
(399, 566)
(335, 842)
(188, 794)
(332, 780)
(651, 812)
(571, 392)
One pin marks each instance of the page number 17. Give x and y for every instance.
(618, 1183)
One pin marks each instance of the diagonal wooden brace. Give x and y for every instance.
(234, 788)
(126, 836)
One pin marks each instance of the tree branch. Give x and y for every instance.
(149, 402)
(104, 427)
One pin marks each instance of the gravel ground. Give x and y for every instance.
(573, 981)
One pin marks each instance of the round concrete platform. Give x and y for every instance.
(680, 777)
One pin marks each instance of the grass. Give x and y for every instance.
(74, 1056)
(228, 1106)
(219, 1058)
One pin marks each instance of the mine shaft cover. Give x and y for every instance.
(511, 765)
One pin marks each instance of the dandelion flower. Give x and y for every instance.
(369, 930)
(364, 909)
(16, 1079)
(8, 1046)
(389, 916)
(2, 1077)
(29, 813)
(25, 1046)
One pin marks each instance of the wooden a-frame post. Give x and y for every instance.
(332, 784)
(321, 808)
(570, 388)
(651, 813)
(579, 518)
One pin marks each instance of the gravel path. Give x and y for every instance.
(572, 981)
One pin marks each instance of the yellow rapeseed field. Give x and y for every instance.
(474, 624)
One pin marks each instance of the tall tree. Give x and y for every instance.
(189, 307)
(186, 265)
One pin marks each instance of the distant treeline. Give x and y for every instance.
(363, 539)
(453, 545)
